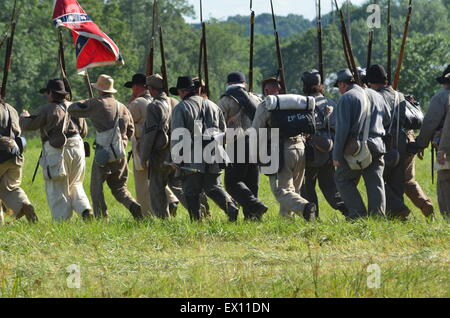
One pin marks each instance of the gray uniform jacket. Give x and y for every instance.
(325, 117)
(349, 120)
(435, 117)
(156, 128)
(185, 114)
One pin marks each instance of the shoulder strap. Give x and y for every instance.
(368, 107)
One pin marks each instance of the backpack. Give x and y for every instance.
(413, 114)
(109, 145)
(293, 122)
(9, 147)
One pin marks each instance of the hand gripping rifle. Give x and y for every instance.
(319, 39)
(348, 48)
(9, 49)
(252, 47)
(151, 54)
(402, 50)
(279, 55)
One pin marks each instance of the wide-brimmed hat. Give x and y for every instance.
(344, 76)
(105, 84)
(155, 81)
(139, 79)
(445, 78)
(270, 80)
(311, 78)
(183, 83)
(55, 85)
(376, 74)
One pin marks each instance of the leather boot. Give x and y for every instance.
(28, 211)
(136, 211)
(193, 206)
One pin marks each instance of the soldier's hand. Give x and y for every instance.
(25, 113)
(336, 163)
(421, 154)
(441, 157)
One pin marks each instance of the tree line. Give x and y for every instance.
(128, 23)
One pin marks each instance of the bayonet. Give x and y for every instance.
(252, 44)
(319, 39)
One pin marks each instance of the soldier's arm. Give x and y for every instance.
(444, 145)
(15, 126)
(224, 106)
(135, 110)
(151, 128)
(431, 122)
(129, 123)
(83, 109)
(178, 122)
(342, 129)
(83, 127)
(34, 121)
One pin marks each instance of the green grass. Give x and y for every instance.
(275, 258)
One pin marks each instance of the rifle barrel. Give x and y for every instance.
(252, 43)
(151, 55)
(62, 64)
(163, 61)
(369, 50)
(9, 49)
(279, 55)
(389, 44)
(320, 43)
(402, 50)
(205, 60)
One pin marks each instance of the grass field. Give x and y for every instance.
(275, 258)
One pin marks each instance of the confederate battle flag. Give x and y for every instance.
(93, 47)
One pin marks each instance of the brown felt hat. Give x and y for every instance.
(55, 85)
(155, 81)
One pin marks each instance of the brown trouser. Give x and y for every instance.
(10, 179)
(413, 189)
(443, 192)
(116, 175)
(286, 184)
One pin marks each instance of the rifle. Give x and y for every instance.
(369, 50)
(3, 40)
(279, 55)
(151, 55)
(36, 169)
(9, 47)
(389, 44)
(175, 166)
(348, 47)
(319, 38)
(402, 50)
(252, 44)
(433, 158)
(163, 61)
(205, 51)
(62, 64)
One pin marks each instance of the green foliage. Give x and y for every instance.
(128, 23)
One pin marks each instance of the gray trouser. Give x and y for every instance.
(158, 196)
(286, 184)
(443, 192)
(347, 183)
(116, 176)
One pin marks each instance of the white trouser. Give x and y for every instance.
(67, 194)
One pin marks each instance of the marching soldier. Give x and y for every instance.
(353, 132)
(63, 154)
(321, 168)
(394, 171)
(242, 178)
(285, 184)
(191, 112)
(11, 163)
(138, 108)
(436, 124)
(155, 150)
(114, 127)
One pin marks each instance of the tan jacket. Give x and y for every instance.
(50, 120)
(102, 112)
(435, 117)
(235, 117)
(15, 126)
(138, 110)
